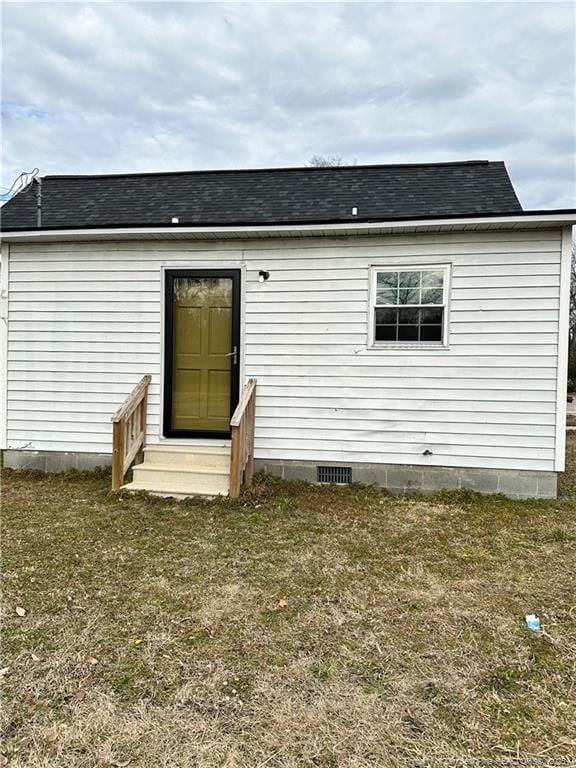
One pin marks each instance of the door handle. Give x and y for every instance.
(234, 355)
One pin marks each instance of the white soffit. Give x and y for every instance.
(176, 232)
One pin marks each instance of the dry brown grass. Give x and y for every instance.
(300, 626)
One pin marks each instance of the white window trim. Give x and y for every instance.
(412, 267)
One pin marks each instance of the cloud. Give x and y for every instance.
(108, 87)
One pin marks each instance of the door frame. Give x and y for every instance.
(170, 274)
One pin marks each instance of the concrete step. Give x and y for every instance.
(183, 470)
(185, 457)
(168, 494)
(205, 481)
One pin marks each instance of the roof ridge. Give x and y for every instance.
(128, 174)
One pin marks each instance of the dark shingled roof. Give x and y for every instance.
(266, 196)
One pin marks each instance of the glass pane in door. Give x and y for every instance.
(202, 342)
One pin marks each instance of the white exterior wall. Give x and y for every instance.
(86, 324)
(4, 265)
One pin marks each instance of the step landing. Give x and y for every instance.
(182, 471)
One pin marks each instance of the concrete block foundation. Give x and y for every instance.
(55, 461)
(399, 479)
(516, 484)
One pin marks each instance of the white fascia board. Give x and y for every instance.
(295, 230)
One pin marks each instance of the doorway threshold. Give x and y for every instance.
(192, 441)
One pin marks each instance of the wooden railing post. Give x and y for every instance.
(250, 419)
(129, 431)
(143, 422)
(235, 463)
(242, 426)
(118, 431)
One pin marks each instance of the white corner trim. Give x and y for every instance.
(562, 369)
(4, 283)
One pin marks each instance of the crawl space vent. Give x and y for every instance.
(334, 474)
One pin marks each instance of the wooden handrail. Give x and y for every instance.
(129, 430)
(242, 435)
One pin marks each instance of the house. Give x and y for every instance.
(406, 325)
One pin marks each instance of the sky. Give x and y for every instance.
(117, 87)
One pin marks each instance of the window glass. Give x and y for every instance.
(432, 279)
(387, 297)
(410, 279)
(409, 306)
(431, 296)
(388, 279)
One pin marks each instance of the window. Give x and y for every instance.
(409, 305)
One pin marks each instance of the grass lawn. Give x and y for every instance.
(299, 626)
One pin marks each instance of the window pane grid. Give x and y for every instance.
(409, 306)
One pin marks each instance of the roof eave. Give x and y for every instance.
(519, 220)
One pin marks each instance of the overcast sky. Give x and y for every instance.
(110, 87)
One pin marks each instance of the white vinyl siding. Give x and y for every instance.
(85, 325)
(4, 271)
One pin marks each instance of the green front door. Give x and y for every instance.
(202, 352)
